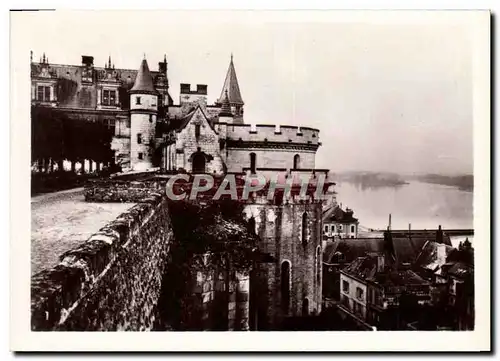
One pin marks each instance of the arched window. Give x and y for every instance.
(304, 228)
(296, 161)
(253, 162)
(285, 286)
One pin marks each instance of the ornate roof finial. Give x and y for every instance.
(43, 58)
(164, 58)
(31, 56)
(144, 56)
(225, 109)
(231, 57)
(109, 62)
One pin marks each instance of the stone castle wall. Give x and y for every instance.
(238, 159)
(280, 230)
(273, 133)
(112, 281)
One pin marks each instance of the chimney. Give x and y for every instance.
(87, 60)
(439, 235)
(441, 253)
(201, 89)
(185, 88)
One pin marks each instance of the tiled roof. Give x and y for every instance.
(365, 268)
(362, 267)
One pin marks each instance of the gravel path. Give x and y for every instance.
(62, 220)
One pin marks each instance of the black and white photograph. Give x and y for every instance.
(289, 171)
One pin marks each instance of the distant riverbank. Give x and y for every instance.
(367, 180)
(462, 182)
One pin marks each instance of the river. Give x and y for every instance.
(424, 205)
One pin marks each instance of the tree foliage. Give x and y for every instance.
(56, 136)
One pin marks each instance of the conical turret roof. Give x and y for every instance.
(143, 80)
(231, 86)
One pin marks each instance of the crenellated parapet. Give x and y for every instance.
(272, 136)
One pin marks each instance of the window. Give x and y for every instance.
(110, 123)
(359, 293)
(140, 156)
(108, 97)
(296, 161)
(340, 227)
(333, 228)
(253, 161)
(43, 93)
(285, 286)
(139, 138)
(151, 118)
(345, 286)
(352, 228)
(197, 131)
(304, 228)
(326, 228)
(138, 100)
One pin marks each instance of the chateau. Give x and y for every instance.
(152, 134)
(151, 131)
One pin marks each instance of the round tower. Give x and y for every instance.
(143, 117)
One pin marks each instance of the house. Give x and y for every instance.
(378, 295)
(339, 223)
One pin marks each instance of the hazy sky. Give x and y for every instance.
(385, 96)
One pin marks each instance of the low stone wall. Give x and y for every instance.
(112, 281)
(120, 190)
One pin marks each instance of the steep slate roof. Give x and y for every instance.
(231, 86)
(351, 248)
(406, 249)
(337, 214)
(143, 80)
(180, 123)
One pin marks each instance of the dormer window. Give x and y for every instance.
(108, 97)
(138, 100)
(43, 93)
(139, 138)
